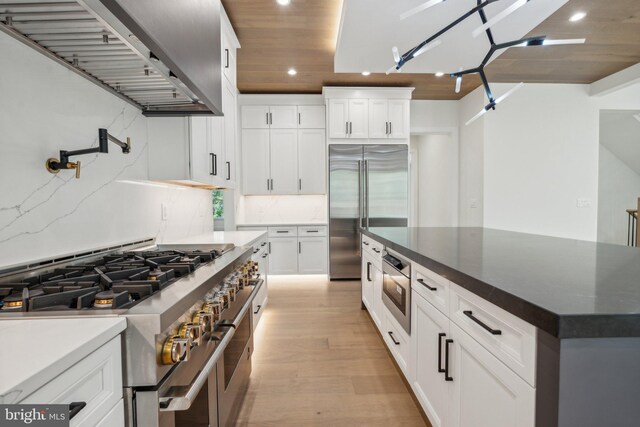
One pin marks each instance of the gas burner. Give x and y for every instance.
(111, 299)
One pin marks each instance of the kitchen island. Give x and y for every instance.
(563, 315)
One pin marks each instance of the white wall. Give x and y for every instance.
(433, 115)
(471, 161)
(45, 108)
(539, 155)
(618, 190)
(435, 163)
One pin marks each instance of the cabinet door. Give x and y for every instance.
(202, 164)
(228, 168)
(255, 161)
(312, 255)
(378, 305)
(338, 118)
(283, 255)
(255, 117)
(311, 117)
(399, 118)
(378, 118)
(367, 283)
(486, 393)
(429, 329)
(283, 117)
(312, 153)
(284, 161)
(216, 136)
(358, 118)
(228, 61)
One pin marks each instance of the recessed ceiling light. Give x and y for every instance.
(366, 73)
(292, 72)
(577, 16)
(439, 74)
(284, 2)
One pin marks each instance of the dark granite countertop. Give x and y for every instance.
(568, 288)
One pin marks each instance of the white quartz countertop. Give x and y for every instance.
(238, 238)
(35, 351)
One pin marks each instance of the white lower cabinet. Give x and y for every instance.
(283, 255)
(429, 330)
(312, 255)
(485, 392)
(96, 380)
(460, 378)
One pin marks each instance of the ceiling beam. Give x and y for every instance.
(616, 81)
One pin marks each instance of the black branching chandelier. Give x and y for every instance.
(434, 41)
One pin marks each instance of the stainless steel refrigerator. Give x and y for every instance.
(368, 187)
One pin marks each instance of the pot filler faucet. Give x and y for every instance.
(54, 165)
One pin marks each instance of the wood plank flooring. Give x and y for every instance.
(319, 361)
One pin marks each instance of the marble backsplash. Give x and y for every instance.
(281, 209)
(45, 108)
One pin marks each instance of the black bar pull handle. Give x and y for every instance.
(440, 336)
(365, 243)
(228, 171)
(226, 52)
(75, 408)
(393, 338)
(486, 327)
(213, 162)
(258, 310)
(423, 283)
(368, 271)
(446, 360)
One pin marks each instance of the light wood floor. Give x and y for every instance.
(319, 361)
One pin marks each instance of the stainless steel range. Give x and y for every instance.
(188, 343)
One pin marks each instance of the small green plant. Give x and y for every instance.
(218, 204)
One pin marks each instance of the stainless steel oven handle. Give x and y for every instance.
(184, 401)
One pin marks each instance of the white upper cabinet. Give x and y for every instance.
(311, 161)
(229, 107)
(338, 118)
(311, 117)
(389, 118)
(283, 117)
(349, 118)
(284, 161)
(368, 113)
(296, 149)
(378, 118)
(399, 119)
(229, 46)
(256, 164)
(255, 117)
(358, 118)
(202, 156)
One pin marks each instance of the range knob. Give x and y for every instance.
(214, 309)
(175, 349)
(204, 320)
(192, 332)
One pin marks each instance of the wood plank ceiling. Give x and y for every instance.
(302, 35)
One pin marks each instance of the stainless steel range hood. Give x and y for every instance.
(162, 56)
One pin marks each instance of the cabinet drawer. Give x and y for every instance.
(397, 341)
(95, 380)
(115, 417)
(507, 337)
(431, 286)
(307, 230)
(252, 228)
(283, 231)
(373, 247)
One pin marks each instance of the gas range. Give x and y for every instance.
(184, 305)
(113, 281)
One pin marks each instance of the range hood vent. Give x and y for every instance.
(86, 38)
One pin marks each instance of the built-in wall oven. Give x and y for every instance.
(396, 287)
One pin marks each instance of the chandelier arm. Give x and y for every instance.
(483, 17)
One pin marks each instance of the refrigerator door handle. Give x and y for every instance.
(360, 204)
(366, 193)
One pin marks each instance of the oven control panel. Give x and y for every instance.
(204, 319)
